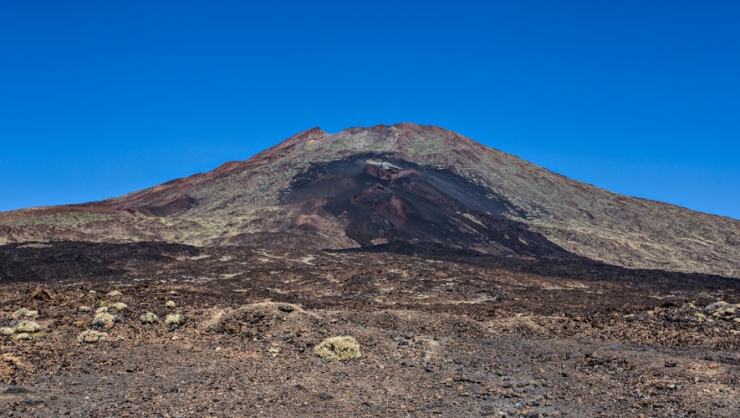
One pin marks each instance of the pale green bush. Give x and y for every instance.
(338, 348)
(103, 318)
(25, 313)
(27, 326)
(149, 318)
(28, 336)
(173, 319)
(91, 336)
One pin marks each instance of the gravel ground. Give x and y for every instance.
(439, 336)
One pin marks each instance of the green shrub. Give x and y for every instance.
(91, 336)
(149, 318)
(25, 313)
(338, 348)
(103, 318)
(27, 326)
(28, 336)
(21, 336)
(174, 319)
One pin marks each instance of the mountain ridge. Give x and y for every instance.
(243, 203)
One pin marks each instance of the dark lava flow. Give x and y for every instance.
(385, 198)
(40, 262)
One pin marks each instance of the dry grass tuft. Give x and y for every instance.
(7, 331)
(339, 348)
(170, 304)
(114, 293)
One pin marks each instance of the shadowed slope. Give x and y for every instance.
(384, 200)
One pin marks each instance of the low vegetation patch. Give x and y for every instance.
(91, 336)
(119, 305)
(149, 318)
(103, 318)
(338, 348)
(720, 305)
(27, 326)
(723, 310)
(174, 319)
(170, 304)
(21, 336)
(28, 336)
(114, 293)
(84, 309)
(25, 313)
(7, 331)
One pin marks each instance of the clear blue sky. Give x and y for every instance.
(101, 98)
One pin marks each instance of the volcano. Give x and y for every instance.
(468, 281)
(399, 186)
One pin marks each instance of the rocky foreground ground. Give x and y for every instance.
(440, 335)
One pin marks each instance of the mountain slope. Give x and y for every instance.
(400, 183)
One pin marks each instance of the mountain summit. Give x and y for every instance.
(404, 183)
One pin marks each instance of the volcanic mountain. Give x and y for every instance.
(406, 185)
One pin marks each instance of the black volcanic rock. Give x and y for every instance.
(404, 183)
(386, 199)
